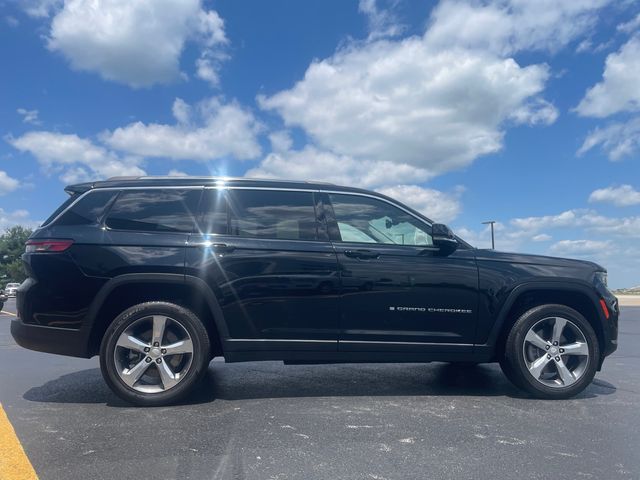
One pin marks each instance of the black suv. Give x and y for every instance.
(159, 275)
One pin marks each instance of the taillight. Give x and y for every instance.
(47, 246)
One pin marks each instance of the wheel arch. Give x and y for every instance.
(124, 291)
(526, 296)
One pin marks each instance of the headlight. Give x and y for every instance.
(602, 277)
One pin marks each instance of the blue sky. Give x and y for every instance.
(524, 112)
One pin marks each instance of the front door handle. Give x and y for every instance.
(362, 254)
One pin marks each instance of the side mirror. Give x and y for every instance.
(444, 239)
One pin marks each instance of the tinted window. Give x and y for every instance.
(367, 220)
(215, 212)
(88, 210)
(272, 214)
(155, 210)
(61, 208)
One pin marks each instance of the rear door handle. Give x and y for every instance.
(218, 247)
(362, 254)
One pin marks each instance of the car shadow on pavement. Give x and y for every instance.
(273, 380)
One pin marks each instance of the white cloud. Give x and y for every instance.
(219, 130)
(589, 220)
(76, 159)
(29, 116)
(439, 206)
(177, 173)
(7, 183)
(311, 163)
(403, 102)
(617, 140)
(630, 26)
(622, 196)
(16, 217)
(537, 111)
(568, 218)
(541, 237)
(138, 43)
(619, 90)
(579, 247)
(508, 26)
(382, 22)
(40, 8)
(437, 101)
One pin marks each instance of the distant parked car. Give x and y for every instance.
(11, 289)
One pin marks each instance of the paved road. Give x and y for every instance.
(270, 421)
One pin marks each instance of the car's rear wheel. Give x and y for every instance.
(154, 353)
(551, 352)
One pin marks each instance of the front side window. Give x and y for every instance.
(272, 214)
(155, 210)
(368, 220)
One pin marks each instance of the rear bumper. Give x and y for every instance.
(60, 341)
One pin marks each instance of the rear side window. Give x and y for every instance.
(87, 210)
(155, 210)
(272, 214)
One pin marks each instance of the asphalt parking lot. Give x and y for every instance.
(271, 421)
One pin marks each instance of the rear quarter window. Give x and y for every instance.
(171, 210)
(88, 210)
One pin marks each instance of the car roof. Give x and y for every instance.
(190, 181)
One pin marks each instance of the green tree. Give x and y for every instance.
(11, 248)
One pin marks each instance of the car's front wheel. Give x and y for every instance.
(551, 352)
(154, 353)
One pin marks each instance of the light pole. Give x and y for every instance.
(493, 241)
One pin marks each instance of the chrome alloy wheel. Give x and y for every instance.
(153, 354)
(556, 352)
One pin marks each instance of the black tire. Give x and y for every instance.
(514, 363)
(199, 361)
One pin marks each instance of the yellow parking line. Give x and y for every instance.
(14, 464)
(8, 313)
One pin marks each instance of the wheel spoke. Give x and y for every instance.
(565, 374)
(577, 348)
(535, 339)
(166, 374)
(132, 343)
(558, 327)
(538, 365)
(159, 324)
(183, 346)
(132, 375)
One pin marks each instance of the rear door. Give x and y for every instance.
(145, 231)
(266, 256)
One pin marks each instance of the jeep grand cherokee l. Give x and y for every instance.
(160, 275)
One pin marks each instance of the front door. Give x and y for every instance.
(397, 292)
